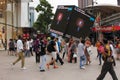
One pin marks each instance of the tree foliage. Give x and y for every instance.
(45, 16)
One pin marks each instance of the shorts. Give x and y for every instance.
(11, 49)
(118, 51)
(54, 55)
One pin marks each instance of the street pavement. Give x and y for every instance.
(68, 71)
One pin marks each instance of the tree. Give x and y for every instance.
(45, 16)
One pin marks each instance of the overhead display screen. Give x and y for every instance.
(61, 19)
(80, 24)
(72, 21)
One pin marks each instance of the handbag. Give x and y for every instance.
(89, 50)
(74, 55)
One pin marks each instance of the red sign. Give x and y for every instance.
(107, 28)
(26, 36)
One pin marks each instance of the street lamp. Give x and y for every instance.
(92, 9)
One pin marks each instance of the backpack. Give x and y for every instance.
(11, 44)
(108, 50)
(36, 45)
(49, 47)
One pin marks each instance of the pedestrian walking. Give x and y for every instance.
(81, 53)
(87, 45)
(100, 52)
(31, 46)
(73, 52)
(42, 49)
(58, 50)
(53, 52)
(20, 53)
(64, 48)
(36, 49)
(108, 64)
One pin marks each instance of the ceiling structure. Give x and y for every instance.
(105, 10)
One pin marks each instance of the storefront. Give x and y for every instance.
(13, 14)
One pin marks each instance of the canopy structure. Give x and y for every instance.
(109, 15)
(105, 10)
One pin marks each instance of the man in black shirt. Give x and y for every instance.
(53, 52)
(42, 50)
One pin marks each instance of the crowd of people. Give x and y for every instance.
(71, 49)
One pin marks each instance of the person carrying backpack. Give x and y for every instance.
(53, 52)
(108, 63)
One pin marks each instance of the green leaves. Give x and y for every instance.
(45, 16)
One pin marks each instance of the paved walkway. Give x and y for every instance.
(66, 72)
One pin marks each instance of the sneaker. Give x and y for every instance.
(23, 68)
(47, 66)
(62, 63)
(42, 70)
(55, 67)
(82, 67)
(12, 65)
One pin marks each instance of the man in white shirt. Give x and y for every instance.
(27, 48)
(31, 45)
(58, 52)
(20, 53)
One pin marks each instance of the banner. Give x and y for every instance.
(106, 28)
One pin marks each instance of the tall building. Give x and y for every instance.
(84, 3)
(31, 16)
(118, 2)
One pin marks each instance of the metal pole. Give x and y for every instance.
(12, 20)
(6, 23)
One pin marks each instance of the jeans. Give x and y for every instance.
(43, 62)
(100, 58)
(27, 53)
(82, 60)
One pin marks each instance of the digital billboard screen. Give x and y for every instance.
(80, 24)
(61, 19)
(72, 21)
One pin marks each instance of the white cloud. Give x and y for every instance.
(113, 2)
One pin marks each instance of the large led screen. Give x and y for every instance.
(80, 24)
(61, 19)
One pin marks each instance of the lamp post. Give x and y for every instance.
(92, 9)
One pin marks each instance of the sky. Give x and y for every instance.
(54, 3)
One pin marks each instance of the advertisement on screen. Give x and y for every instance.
(72, 21)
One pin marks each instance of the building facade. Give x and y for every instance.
(13, 14)
(84, 3)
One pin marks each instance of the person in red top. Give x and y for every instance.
(97, 45)
(100, 52)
